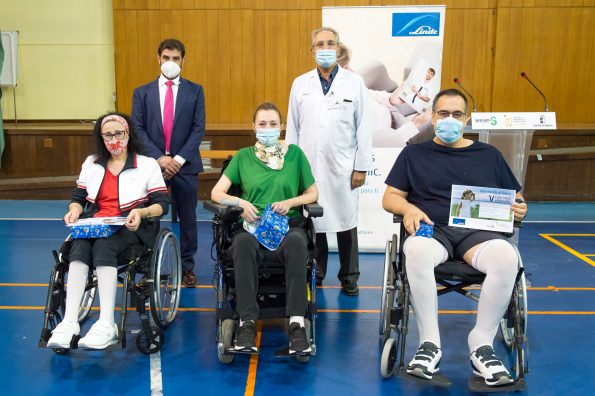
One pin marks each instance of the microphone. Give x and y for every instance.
(524, 75)
(458, 82)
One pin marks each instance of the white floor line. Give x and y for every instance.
(156, 381)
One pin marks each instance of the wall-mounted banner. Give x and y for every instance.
(398, 53)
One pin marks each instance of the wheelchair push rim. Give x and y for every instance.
(166, 271)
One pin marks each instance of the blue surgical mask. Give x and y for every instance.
(325, 58)
(449, 130)
(268, 137)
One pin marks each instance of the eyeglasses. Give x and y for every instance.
(109, 136)
(328, 44)
(457, 115)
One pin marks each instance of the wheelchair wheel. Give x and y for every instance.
(388, 291)
(150, 342)
(308, 326)
(516, 315)
(226, 339)
(166, 272)
(388, 359)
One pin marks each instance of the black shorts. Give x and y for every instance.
(103, 251)
(458, 241)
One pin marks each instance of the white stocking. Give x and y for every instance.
(422, 256)
(107, 282)
(498, 260)
(77, 280)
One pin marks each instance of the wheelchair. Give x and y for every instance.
(453, 276)
(161, 266)
(271, 283)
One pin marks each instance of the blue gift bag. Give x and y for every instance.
(270, 229)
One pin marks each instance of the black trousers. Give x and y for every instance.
(348, 255)
(247, 255)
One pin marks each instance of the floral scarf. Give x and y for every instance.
(272, 156)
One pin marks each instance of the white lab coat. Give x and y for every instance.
(334, 132)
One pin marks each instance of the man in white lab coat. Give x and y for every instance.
(328, 118)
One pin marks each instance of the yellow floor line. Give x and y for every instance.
(568, 248)
(251, 380)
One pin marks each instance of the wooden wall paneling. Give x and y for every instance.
(212, 79)
(225, 67)
(513, 55)
(468, 52)
(250, 52)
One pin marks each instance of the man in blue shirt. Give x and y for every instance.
(419, 189)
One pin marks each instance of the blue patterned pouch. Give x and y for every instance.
(270, 229)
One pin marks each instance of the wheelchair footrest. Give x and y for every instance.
(284, 352)
(245, 351)
(437, 379)
(477, 384)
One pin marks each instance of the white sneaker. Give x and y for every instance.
(426, 360)
(63, 333)
(100, 336)
(487, 365)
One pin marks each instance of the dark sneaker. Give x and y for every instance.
(426, 360)
(298, 340)
(246, 338)
(350, 288)
(188, 278)
(486, 364)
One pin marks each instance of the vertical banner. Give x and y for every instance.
(398, 52)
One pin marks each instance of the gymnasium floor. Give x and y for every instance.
(558, 247)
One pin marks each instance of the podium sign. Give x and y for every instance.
(513, 121)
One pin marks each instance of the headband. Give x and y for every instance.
(117, 118)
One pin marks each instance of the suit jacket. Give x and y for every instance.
(189, 123)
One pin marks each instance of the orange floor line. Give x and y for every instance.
(373, 311)
(251, 380)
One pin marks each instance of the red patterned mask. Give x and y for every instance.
(116, 147)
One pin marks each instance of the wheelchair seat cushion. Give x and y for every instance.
(455, 270)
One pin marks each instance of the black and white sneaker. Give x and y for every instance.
(246, 338)
(298, 340)
(426, 360)
(486, 364)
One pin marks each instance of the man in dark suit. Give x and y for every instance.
(169, 116)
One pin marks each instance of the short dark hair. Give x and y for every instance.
(172, 44)
(100, 150)
(266, 106)
(432, 70)
(449, 92)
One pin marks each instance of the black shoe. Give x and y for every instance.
(298, 340)
(350, 288)
(246, 339)
(188, 278)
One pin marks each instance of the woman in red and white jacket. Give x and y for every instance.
(115, 181)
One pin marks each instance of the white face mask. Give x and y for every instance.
(170, 69)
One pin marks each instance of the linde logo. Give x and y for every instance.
(416, 24)
(424, 31)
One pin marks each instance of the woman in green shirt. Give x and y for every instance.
(269, 173)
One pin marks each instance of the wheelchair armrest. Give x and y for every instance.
(314, 209)
(228, 213)
(397, 218)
